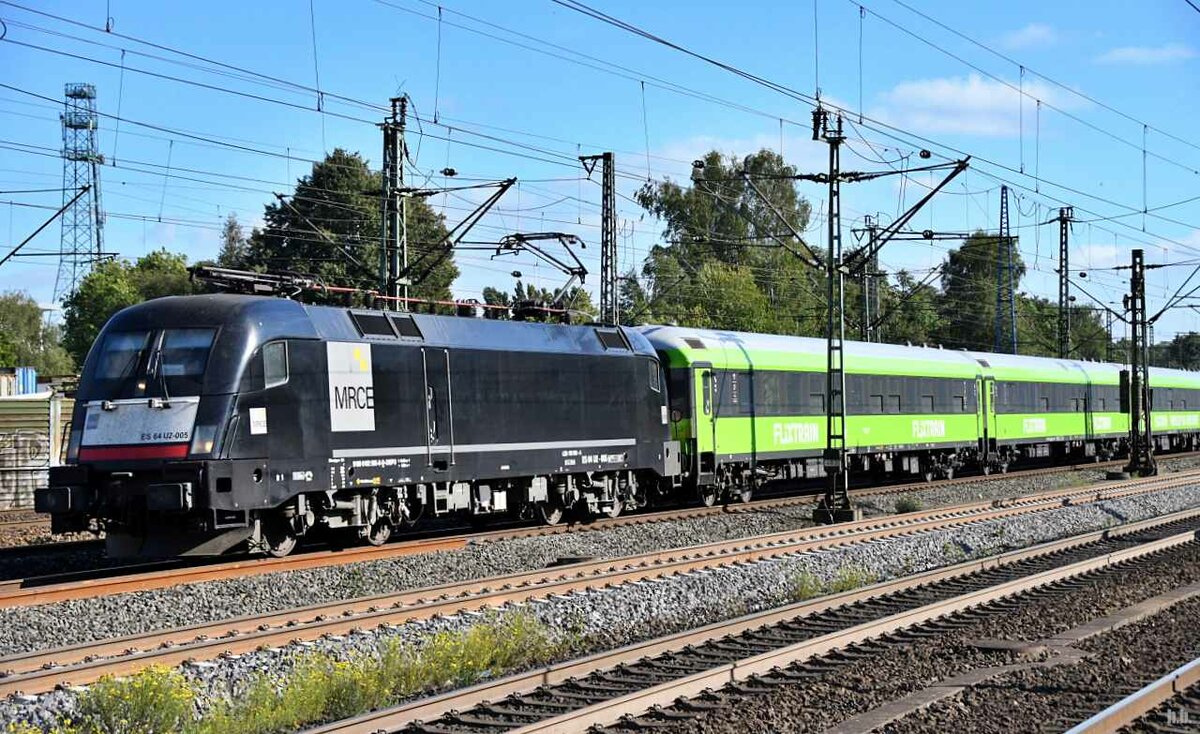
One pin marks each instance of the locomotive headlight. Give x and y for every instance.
(203, 440)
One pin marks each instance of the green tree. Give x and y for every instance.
(1182, 352)
(719, 220)
(109, 288)
(117, 284)
(331, 227)
(910, 311)
(233, 244)
(577, 300)
(27, 340)
(968, 302)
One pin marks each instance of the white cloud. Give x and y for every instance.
(969, 105)
(1147, 55)
(1097, 256)
(1034, 34)
(799, 151)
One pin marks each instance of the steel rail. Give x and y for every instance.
(43, 670)
(607, 712)
(1138, 704)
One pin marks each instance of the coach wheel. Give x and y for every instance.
(709, 494)
(379, 533)
(927, 475)
(279, 539)
(746, 493)
(948, 473)
(614, 510)
(987, 468)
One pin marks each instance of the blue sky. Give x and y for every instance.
(514, 71)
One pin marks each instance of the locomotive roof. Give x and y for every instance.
(265, 317)
(476, 333)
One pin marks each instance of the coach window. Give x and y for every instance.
(275, 364)
(927, 403)
(706, 388)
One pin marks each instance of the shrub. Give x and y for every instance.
(851, 577)
(907, 503)
(155, 701)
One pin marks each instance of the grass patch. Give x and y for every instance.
(908, 503)
(807, 585)
(319, 688)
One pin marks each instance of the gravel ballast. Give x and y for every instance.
(608, 618)
(897, 669)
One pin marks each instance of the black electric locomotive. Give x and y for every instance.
(205, 422)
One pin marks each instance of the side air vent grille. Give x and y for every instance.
(407, 327)
(612, 339)
(373, 324)
(693, 342)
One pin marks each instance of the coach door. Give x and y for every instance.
(987, 408)
(705, 420)
(439, 408)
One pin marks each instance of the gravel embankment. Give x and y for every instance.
(607, 618)
(897, 669)
(1060, 697)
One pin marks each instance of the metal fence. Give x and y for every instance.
(33, 437)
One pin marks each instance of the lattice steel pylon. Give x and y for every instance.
(82, 239)
(1005, 339)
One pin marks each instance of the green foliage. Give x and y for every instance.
(577, 300)
(806, 585)
(118, 284)
(721, 235)
(154, 701)
(233, 244)
(851, 577)
(318, 688)
(908, 503)
(27, 340)
(331, 227)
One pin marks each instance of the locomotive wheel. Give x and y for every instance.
(379, 533)
(615, 510)
(745, 494)
(709, 495)
(550, 512)
(278, 537)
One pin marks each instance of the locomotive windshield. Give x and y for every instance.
(158, 363)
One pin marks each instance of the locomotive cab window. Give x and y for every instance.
(121, 354)
(275, 364)
(653, 375)
(184, 355)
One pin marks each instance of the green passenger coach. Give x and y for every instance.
(751, 407)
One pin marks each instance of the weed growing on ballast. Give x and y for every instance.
(317, 689)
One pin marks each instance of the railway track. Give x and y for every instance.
(141, 576)
(79, 664)
(1169, 704)
(752, 655)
